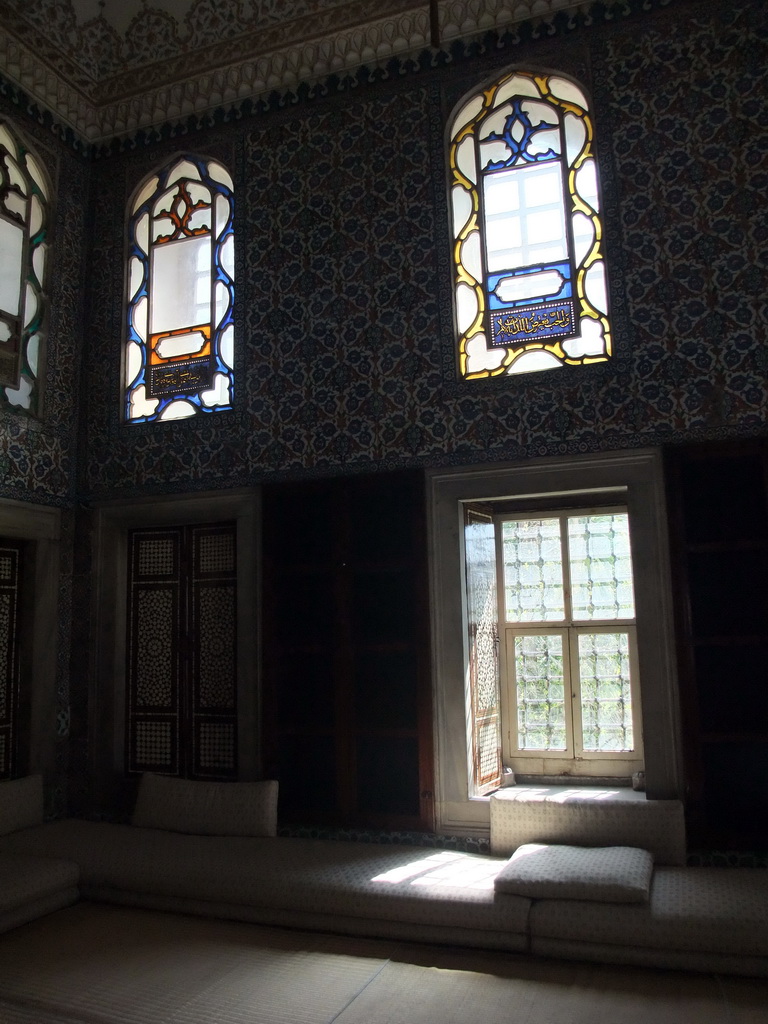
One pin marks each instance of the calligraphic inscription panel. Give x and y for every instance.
(512, 328)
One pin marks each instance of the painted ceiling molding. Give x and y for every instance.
(162, 62)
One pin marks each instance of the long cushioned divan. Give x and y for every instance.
(700, 918)
(448, 896)
(31, 887)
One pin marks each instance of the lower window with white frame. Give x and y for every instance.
(568, 661)
(552, 644)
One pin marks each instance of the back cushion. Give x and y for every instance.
(207, 808)
(21, 803)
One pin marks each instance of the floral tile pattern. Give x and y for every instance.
(345, 352)
(343, 308)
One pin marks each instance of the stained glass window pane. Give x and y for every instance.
(525, 201)
(606, 697)
(179, 345)
(181, 284)
(12, 248)
(601, 567)
(533, 571)
(24, 192)
(524, 217)
(540, 688)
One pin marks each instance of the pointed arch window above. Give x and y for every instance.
(25, 197)
(181, 267)
(529, 275)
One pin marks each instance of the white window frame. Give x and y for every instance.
(634, 479)
(573, 760)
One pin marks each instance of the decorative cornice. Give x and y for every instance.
(336, 41)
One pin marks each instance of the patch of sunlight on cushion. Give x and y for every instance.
(416, 867)
(454, 870)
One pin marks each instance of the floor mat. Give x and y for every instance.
(533, 992)
(104, 964)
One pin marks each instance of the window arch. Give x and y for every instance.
(25, 196)
(180, 333)
(529, 273)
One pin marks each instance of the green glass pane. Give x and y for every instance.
(540, 692)
(606, 696)
(533, 571)
(601, 567)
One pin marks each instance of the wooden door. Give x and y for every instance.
(181, 651)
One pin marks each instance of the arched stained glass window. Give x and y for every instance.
(529, 275)
(181, 266)
(25, 196)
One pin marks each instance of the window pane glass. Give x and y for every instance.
(606, 698)
(12, 247)
(524, 216)
(540, 692)
(533, 571)
(181, 284)
(601, 567)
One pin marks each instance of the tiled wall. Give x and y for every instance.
(345, 351)
(345, 348)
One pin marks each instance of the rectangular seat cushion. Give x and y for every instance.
(615, 874)
(21, 803)
(587, 816)
(723, 910)
(29, 879)
(430, 888)
(207, 808)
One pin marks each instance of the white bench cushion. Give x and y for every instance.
(207, 808)
(614, 874)
(21, 803)
(587, 816)
(28, 879)
(408, 884)
(723, 910)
